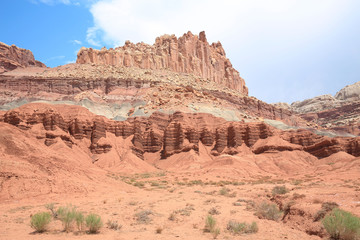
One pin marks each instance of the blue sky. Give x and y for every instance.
(286, 50)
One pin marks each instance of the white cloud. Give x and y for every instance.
(240, 20)
(92, 36)
(272, 43)
(76, 42)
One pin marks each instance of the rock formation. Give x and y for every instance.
(171, 134)
(349, 93)
(315, 104)
(187, 54)
(12, 57)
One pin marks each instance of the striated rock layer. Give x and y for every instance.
(170, 134)
(187, 54)
(12, 57)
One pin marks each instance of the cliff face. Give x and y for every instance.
(12, 57)
(187, 54)
(169, 134)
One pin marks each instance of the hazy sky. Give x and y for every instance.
(286, 50)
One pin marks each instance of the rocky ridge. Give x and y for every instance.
(12, 57)
(339, 113)
(187, 54)
(170, 134)
(143, 90)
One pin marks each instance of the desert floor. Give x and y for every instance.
(175, 206)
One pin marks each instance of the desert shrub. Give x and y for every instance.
(93, 222)
(143, 216)
(325, 208)
(79, 219)
(268, 211)
(252, 228)
(329, 206)
(39, 221)
(214, 211)
(51, 208)
(342, 225)
(210, 223)
(113, 225)
(215, 233)
(279, 190)
(224, 191)
(238, 228)
(67, 216)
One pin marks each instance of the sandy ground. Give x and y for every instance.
(190, 197)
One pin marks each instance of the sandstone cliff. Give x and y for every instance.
(340, 113)
(12, 57)
(187, 54)
(170, 134)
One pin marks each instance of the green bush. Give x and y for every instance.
(268, 211)
(39, 221)
(67, 216)
(93, 222)
(238, 228)
(79, 219)
(342, 225)
(210, 223)
(279, 190)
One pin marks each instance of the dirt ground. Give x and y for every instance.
(178, 204)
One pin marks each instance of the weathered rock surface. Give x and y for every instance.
(315, 104)
(349, 93)
(340, 113)
(115, 85)
(12, 57)
(171, 134)
(187, 54)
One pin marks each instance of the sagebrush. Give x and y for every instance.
(93, 222)
(342, 225)
(268, 211)
(40, 221)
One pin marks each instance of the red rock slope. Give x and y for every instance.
(12, 57)
(188, 54)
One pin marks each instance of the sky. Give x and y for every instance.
(286, 50)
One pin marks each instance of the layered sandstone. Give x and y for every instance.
(170, 134)
(12, 57)
(187, 54)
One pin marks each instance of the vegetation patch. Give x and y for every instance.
(143, 217)
(279, 190)
(210, 226)
(326, 207)
(268, 211)
(111, 224)
(40, 221)
(242, 227)
(342, 225)
(94, 223)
